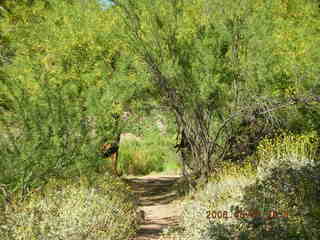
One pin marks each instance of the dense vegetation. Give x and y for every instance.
(237, 83)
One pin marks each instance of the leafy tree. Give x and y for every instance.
(62, 86)
(213, 63)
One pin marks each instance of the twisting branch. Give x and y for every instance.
(274, 107)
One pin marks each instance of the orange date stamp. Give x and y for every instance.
(242, 214)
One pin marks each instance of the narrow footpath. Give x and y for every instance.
(157, 197)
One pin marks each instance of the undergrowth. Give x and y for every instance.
(274, 194)
(96, 208)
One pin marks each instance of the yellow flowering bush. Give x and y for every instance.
(288, 186)
(286, 149)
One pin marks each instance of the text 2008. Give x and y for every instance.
(244, 214)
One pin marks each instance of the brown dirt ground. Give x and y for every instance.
(158, 199)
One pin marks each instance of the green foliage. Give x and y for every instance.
(285, 183)
(288, 184)
(96, 208)
(59, 92)
(150, 154)
(181, 55)
(285, 57)
(62, 42)
(150, 148)
(207, 64)
(202, 52)
(132, 160)
(68, 66)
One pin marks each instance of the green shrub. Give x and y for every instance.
(60, 97)
(286, 182)
(290, 193)
(100, 208)
(132, 160)
(149, 155)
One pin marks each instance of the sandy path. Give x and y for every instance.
(156, 198)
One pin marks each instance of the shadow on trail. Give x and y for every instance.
(155, 195)
(155, 190)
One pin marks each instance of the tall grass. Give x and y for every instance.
(151, 154)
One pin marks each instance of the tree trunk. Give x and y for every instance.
(196, 146)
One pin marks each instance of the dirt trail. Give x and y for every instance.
(156, 198)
